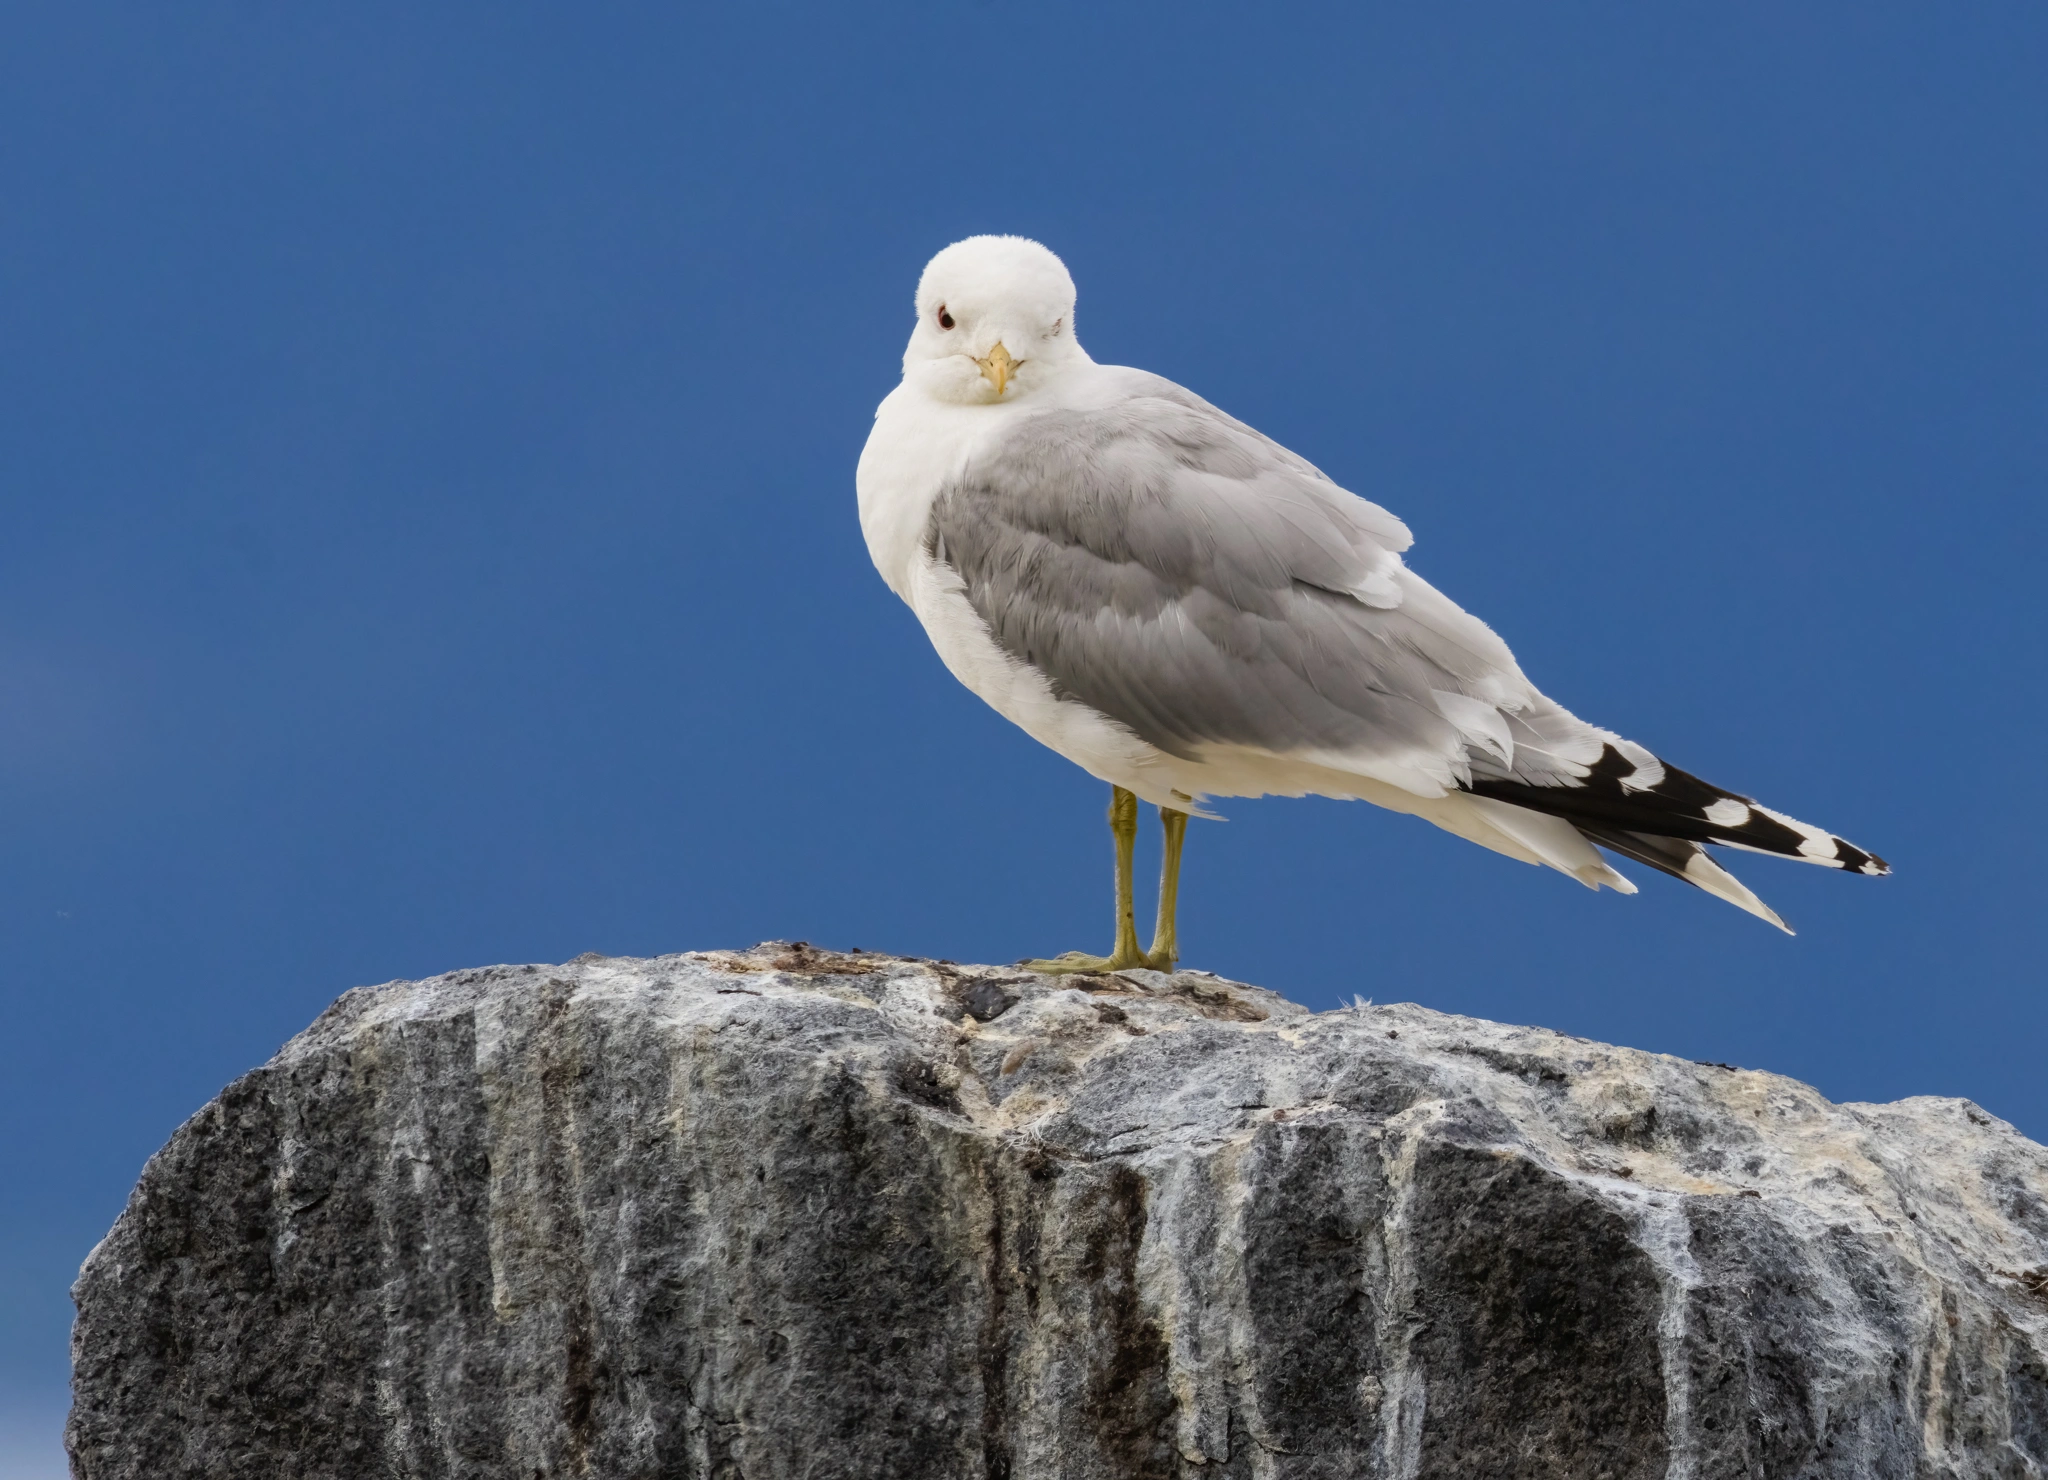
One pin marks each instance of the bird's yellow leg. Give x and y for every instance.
(1165, 941)
(1123, 826)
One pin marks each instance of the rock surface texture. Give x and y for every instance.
(786, 1213)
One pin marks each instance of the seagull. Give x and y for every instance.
(1185, 609)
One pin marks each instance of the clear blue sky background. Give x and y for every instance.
(427, 440)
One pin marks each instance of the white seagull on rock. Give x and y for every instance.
(1185, 609)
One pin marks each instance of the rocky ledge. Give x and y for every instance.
(789, 1213)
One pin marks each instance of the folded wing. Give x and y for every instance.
(1177, 571)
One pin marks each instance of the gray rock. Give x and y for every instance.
(786, 1213)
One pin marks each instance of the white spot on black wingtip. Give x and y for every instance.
(1814, 844)
(1728, 812)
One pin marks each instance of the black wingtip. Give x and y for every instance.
(1681, 805)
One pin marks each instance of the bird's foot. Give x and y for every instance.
(1075, 962)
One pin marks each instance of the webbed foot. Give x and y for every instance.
(1075, 962)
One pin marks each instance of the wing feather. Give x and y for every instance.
(1190, 578)
(1183, 574)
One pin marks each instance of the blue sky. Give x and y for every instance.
(426, 451)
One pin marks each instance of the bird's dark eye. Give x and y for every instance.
(945, 319)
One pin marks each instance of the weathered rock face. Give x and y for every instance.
(784, 1213)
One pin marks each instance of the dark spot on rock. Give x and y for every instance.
(2026, 1385)
(995, 1347)
(1645, 1128)
(1109, 1012)
(1551, 1366)
(579, 1394)
(804, 959)
(1210, 998)
(1529, 1068)
(1127, 1404)
(986, 1001)
(1759, 1383)
(2019, 1202)
(1222, 1004)
(919, 1080)
(2033, 1282)
(1391, 1033)
(1310, 1230)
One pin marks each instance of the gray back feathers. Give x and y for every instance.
(1176, 570)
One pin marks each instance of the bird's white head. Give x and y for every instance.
(995, 322)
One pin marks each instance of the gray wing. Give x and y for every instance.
(1174, 569)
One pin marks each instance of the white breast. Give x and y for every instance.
(917, 445)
